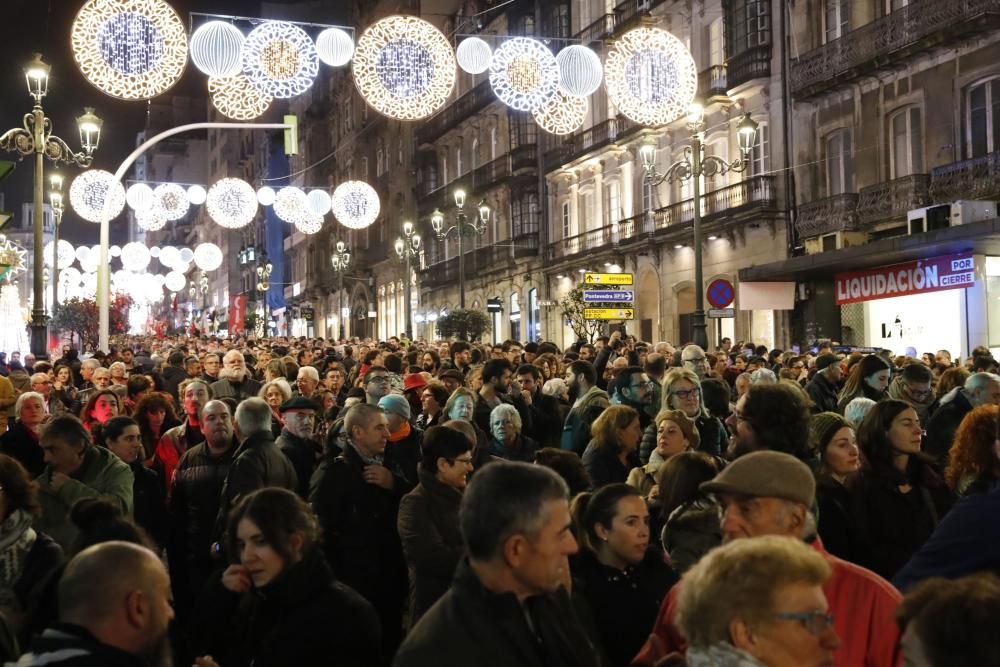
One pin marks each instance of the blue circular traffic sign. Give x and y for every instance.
(720, 293)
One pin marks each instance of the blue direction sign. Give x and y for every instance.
(608, 296)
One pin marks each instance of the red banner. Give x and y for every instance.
(237, 309)
(924, 275)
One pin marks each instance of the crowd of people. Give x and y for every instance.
(292, 501)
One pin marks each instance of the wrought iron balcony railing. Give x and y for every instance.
(892, 199)
(597, 31)
(585, 141)
(712, 82)
(753, 63)
(463, 107)
(975, 178)
(830, 214)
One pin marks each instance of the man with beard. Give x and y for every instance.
(210, 367)
(496, 389)
(194, 503)
(589, 401)
(177, 440)
(234, 378)
(773, 417)
(114, 610)
(631, 387)
(546, 424)
(296, 440)
(461, 357)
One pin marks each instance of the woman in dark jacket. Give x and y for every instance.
(832, 438)
(122, 436)
(21, 441)
(428, 517)
(868, 378)
(690, 518)
(682, 391)
(278, 603)
(612, 453)
(899, 498)
(619, 577)
(506, 441)
(155, 415)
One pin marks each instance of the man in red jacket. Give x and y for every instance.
(770, 493)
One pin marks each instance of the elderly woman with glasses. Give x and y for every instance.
(682, 391)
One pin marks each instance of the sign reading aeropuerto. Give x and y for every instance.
(925, 275)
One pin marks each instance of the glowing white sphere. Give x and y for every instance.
(139, 196)
(356, 204)
(89, 191)
(169, 256)
(217, 48)
(175, 281)
(187, 255)
(114, 251)
(196, 195)
(319, 202)
(334, 47)
(265, 196)
(171, 201)
(182, 267)
(83, 254)
(121, 277)
(64, 252)
(154, 251)
(474, 55)
(69, 276)
(524, 73)
(310, 224)
(580, 70)
(151, 219)
(232, 203)
(207, 256)
(135, 256)
(291, 204)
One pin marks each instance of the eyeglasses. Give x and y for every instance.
(687, 393)
(740, 417)
(816, 622)
(695, 360)
(381, 379)
(464, 460)
(918, 393)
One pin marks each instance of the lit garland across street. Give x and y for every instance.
(562, 114)
(88, 191)
(217, 48)
(171, 201)
(280, 59)
(524, 73)
(650, 76)
(235, 98)
(232, 203)
(356, 204)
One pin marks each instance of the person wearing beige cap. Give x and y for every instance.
(770, 493)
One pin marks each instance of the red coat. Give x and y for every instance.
(863, 605)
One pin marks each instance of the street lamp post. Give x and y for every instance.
(461, 227)
(407, 248)
(35, 137)
(58, 207)
(340, 259)
(693, 166)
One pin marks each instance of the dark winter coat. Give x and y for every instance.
(172, 378)
(240, 391)
(402, 457)
(836, 525)
(64, 645)
(691, 531)
(576, 430)
(523, 449)
(712, 436)
(944, 423)
(304, 453)
(258, 463)
(149, 503)
(21, 444)
(482, 410)
(604, 467)
(546, 420)
(823, 394)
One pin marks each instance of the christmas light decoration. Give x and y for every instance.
(319, 202)
(310, 224)
(650, 76)
(135, 256)
(404, 67)
(90, 189)
(13, 332)
(474, 55)
(562, 114)
(175, 281)
(114, 251)
(196, 195)
(265, 196)
(217, 48)
(14, 256)
(291, 204)
(150, 220)
(139, 196)
(83, 254)
(334, 47)
(171, 201)
(130, 49)
(232, 203)
(355, 204)
(169, 256)
(580, 70)
(280, 59)
(64, 252)
(69, 276)
(234, 97)
(207, 256)
(186, 255)
(524, 73)
(154, 251)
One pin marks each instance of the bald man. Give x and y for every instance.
(114, 609)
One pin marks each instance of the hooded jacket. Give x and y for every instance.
(576, 430)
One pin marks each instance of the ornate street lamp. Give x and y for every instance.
(461, 228)
(407, 247)
(340, 260)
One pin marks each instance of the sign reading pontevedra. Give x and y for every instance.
(608, 296)
(924, 275)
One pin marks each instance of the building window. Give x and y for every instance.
(534, 316)
(715, 43)
(839, 167)
(907, 151)
(515, 317)
(838, 19)
(565, 220)
(648, 195)
(760, 157)
(474, 155)
(585, 213)
(380, 161)
(749, 25)
(458, 162)
(497, 317)
(493, 144)
(896, 5)
(444, 169)
(612, 204)
(983, 121)
(524, 215)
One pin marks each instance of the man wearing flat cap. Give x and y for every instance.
(770, 493)
(296, 439)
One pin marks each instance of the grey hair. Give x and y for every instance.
(310, 371)
(763, 376)
(28, 395)
(856, 410)
(507, 410)
(35, 377)
(253, 416)
(118, 364)
(978, 381)
(282, 386)
(90, 363)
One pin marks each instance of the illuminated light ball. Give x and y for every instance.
(474, 55)
(175, 281)
(580, 70)
(114, 251)
(265, 196)
(186, 255)
(135, 256)
(64, 252)
(171, 201)
(217, 48)
(69, 276)
(524, 73)
(88, 192)
(310, 224)
(207, 256)
(280, 59)
(235, 97)
(232, 203)
(561, 115)
(196, 195)
(291, 204)
(182, 267)
(169, 256)
(334, 47)
(139, 196)
(121, 277)
(151, 220)
(83, 254)
(154, 251)
(319, 202)
(356, 204)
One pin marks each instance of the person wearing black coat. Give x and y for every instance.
(979, 389)
(612, 453)
(296, 441)
(21, 441)
(546, 413)
(174, 373)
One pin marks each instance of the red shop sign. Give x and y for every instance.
(924, 275)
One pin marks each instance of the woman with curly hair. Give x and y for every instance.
(155, 414)
(549, 365)
(973, 465)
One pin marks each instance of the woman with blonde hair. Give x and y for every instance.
(461, 406)
(275, 392)
(675, 433)
(682, 391)
(612, 451)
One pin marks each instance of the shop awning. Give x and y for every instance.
(978, 237)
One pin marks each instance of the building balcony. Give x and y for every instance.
(906, 32)
(891, 200)
(597, 31)
(712, 83)
(593, 138)
(463, 107)
(439, 273)
(828, 215)
(754, 63)
(479, 179)
(975, 178)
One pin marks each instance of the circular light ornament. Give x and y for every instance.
(319, 202)
(355, 204)
(265, 196)
(83, 254)
(150, 220)
(217, 48)
(196, 195)
(186, 255)
(334, 47)
(562, 114)
(232, 203)
(650, 76)
(234, 97)
(175, 281)
(170, 256)
(524, 73)
(207, 256)
(154, 251)
(65, 253)
(171, 201)
(580, 71)
(139, 196)
(115, 251)
(404, 67)
(90, 189)
(310, 224)
(135, 256)
(291, 204)
(280, 59)
(130, 49)
(474, 55)
(69, 276)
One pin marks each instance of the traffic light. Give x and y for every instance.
(291, 135)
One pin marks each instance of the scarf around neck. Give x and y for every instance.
(721, 655)
(16, 539)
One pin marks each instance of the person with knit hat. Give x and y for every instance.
(869, 378)
(832, 437)
(822, 388)
(402, 447)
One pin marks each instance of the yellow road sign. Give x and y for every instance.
(609, 313)
(607, 278)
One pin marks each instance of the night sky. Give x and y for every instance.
(44, 26)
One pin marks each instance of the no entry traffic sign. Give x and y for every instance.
(720, 293)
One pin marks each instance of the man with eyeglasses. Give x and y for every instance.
(770, 493)
(693, 359)
(632, 387)
(913, 387)
(376, 384)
